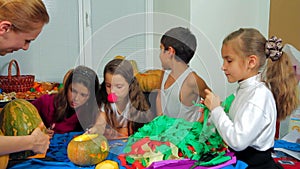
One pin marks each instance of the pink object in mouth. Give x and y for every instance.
(112, 98)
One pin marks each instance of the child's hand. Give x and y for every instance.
(50, 130)
(211, 101)
(88, 131)
(92, 130)
(201, 111)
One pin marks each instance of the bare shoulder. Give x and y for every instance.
(196, 83)
(195, 80)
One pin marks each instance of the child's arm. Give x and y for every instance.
(158, 104)
(211, 101)
(99, 126)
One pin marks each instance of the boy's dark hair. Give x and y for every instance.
(183, 42)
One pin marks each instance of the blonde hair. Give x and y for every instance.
(23, 14)
(279, 75)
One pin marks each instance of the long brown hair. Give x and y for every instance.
(279, 74)
(139, 107)
(23, 14)
(87, 77)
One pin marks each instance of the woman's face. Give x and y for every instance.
(78, 94)
(11, 41)
(116, 83)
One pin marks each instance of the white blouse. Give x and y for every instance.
(252, 117)
(121, 118)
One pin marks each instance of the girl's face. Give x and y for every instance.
(78, 94)
(116, 83)
(234, 64)
(11, 41)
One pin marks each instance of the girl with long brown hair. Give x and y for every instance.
(119, 118)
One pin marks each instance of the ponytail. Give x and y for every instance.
(281, 78)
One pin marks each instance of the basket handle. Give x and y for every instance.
(9, 68)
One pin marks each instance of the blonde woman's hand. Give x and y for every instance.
(40, 140)
(211, 100)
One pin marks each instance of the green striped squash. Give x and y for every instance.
(18, 118)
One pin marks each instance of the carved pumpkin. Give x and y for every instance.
(4, 158)
(149, 80)
(88, 149)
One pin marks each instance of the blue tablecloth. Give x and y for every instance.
(57, 155)
(57, 158)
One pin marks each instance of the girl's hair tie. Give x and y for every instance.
(273, 48)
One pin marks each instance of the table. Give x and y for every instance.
(56, 157)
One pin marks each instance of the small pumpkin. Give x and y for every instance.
(134, 67)
(88, 149)
(107, 164)
(132, 62)
(19, 118)
(149, 80)
(4, 158)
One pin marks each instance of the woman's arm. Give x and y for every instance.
(38, 142)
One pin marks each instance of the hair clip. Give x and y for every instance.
(273, 48)
(83, 72)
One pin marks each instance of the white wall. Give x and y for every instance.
(214, 19)
(57, 49)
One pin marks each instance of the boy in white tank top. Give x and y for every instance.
(180, 86)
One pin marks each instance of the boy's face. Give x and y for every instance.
(164, 57)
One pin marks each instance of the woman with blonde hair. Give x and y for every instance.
(21, 21)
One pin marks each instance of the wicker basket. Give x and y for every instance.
(16, 83)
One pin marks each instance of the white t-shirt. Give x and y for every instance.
(121, 118)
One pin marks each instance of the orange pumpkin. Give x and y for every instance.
(4, 158)
(149, 80)
(88, 149)
(132, 62)
(107, 164)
